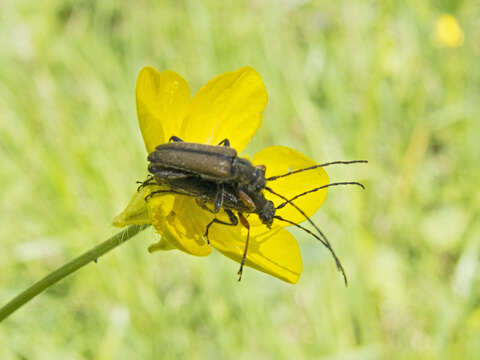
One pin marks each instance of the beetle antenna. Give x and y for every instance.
(326, 244)
(323, 239)
(315, 167)
(320, 188)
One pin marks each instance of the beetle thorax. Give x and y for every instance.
(248, 175)
(264, 208)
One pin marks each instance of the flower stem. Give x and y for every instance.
(70, 267)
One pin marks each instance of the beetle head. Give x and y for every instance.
(267, 213)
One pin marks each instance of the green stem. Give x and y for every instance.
(91, 255)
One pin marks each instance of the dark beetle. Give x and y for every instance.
(216, 175)
(219, 164)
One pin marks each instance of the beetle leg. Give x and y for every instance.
(150, 180)
(219, 198)
(224, 142)
(246, 200)
(175, 139)
(203, 204)
(245, 223)
(168, 174)
(153, 193)
(232, 217)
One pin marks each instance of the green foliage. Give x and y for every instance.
(346, 80)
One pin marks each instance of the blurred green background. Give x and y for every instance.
(346, 80)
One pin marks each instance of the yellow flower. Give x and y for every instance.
(229, 106)
(448, 32)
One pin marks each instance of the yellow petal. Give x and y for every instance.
(136, 212)
(161, 245)
(281, 160)
(162, 103)
(229, 106)
(274, 252)
(184, 226)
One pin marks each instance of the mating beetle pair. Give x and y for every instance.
(215, 175)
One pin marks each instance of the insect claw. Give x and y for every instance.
(205, 235)
(240, 272)
(175, 139)
(145, 183)
(206, 238)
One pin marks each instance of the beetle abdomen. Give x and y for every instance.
(207, 161)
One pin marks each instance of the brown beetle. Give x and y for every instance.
(216, 175)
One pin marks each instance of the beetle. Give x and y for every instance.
(218, 163)
(216, 175)
(205, 192)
